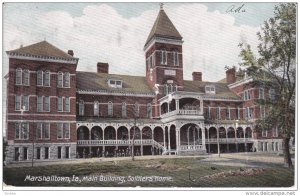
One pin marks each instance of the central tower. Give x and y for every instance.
(163, 53)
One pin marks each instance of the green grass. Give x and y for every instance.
(185, 172)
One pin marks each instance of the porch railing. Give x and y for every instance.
(182, 112)
(191, 147)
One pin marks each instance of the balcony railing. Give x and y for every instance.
(228, 140)
(114, 142)
(191, 147)
(182, 112)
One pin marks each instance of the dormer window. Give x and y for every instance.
(210, 89)
(115, 83)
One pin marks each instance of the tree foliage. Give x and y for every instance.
(275, 68)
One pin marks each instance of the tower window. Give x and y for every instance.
(176, 59)
(163, 57)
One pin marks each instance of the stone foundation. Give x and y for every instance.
(53, 151)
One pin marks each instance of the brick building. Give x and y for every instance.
(62, 113)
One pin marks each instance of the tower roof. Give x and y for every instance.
(163, 27)
(42, 49)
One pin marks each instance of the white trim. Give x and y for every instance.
(240, 82)
(36, 121)
(162, 40)
(14, 55)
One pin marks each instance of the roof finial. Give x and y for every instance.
(161, 6)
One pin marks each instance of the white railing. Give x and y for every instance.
(190, 147)
(228, 140)
(182, 112)
(114, 142)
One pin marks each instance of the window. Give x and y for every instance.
(96, 108)
(272, 94)
(81, 108)
(136, 109)
(262, 111)
(163, 57)
(238, 113)
(18, 102)
(43, 131)
(60, 80)
(170, 88)
(66, 80)
(124, 110)
(63, 131)
(261, 94)
(67, 104)
(25, 153)
(110, 109)
(247, 95)
(67, 152)
(209, 114)
(59, 152)
(21, 130)
(47, 78)
(22, 77)
(39, 104)
(150, 62)
(47, 104)
(176, 59)
(149, 110)
(251, 113)
(26, 102)
(175, 88)
(38, 153)
(19, 76)
(25, 77)
(264, 133)
(228, 114)
(165, 89)
(39, 77)
(115, 83)
(46, 152)
(218, 113)
(275, 132)
(210, 89)
(59, 104)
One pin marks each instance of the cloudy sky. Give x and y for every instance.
(116, 32)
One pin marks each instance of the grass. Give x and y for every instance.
(185, 172)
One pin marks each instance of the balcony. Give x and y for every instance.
(182, 112)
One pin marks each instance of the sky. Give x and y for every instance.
(116, 32)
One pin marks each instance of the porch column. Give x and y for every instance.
(141, 142)
(159, 109)
(177, 105)
(116, 138)
(169, 143)
(203, 139)
(168, 106)
(90, 138)
(177, 140)
(152, 136)
(164, 132)
(194, 137)
(218, 140)
(244, 129)
(201, 106)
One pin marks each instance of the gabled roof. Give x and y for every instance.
(43, 49)
(163, 27)
(98, 82)
(222, 90)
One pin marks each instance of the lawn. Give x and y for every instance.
(176, 172)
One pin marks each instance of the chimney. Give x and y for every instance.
(230, 76)
(70, 52)
(102, 67)
(197, 76)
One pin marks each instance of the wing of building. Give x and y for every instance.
(62, 113)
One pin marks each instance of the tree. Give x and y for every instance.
(275, 68)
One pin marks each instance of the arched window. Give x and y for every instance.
(149, 110)
(81, 108)
(96, 108)
(19, 76)
(25, 77)
(60, 80)
(47, 78)
(124, 111)
(39, 78)
(67, 79)
(110, 109)
(136, 109)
